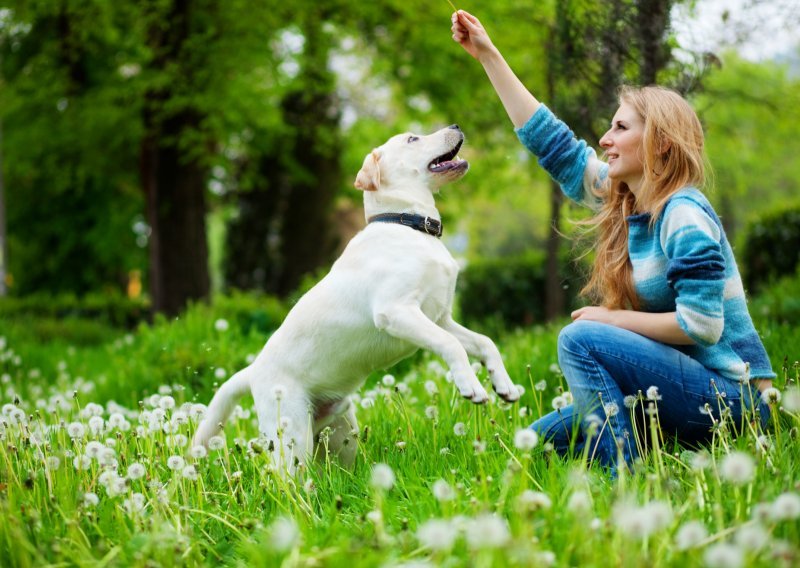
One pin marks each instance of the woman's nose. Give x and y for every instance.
(605, 141)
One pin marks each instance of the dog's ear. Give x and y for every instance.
(369, 176)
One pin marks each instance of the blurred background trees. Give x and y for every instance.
(171, 148)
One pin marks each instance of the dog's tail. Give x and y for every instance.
(221, 406)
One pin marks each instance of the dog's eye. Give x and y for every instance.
(412, 139)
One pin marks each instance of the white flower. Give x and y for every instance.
(579, 502)
(284, 534)
(641, 522)
(611, 409)
(520, 390)
(375, 517)
(53, 463)
(442, 490)
(791, 399)
(700, 461)
(723, 555)
(786, 507)
(189, 472)
(166, 403)
(116, 420)
(652, 393)
(437, 534)
(216, 443)
(96, 425)
(540, 386)
(559, 402)
(738, 468)
(82, 462)
(530, 500)
(107, 457)
(136, 471)
(752, 537)
(284, 423)
(221, 325)
(459, 429)
(690, 535)
(567, 397)
(76, 430)
(367, 402)
(197, 411)
(90, 499)
(630, 401)
(107, 477)
(388, 381)
(220, 373)
(526, 439)
(175, 463)
(93, 449)
(487, 531)
(479, 446)
(198, 452)
(431, 412)
(771, 396)
(134, 504)
(431, 388)
(382, 477)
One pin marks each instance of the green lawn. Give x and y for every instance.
(97, 468)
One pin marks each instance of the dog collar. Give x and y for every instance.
(424, 224)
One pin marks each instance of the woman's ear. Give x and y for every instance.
(369, 176)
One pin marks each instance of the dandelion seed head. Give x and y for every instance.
(630, 401)
(487, 531)
(82, 462)
(189, 472)
(771, 396)
(437, 534)
(431, 388)
(388, 381)
(279, 392)
(690, 535)
(459, 429)
(752, 537)
(136, 471)
(791, 399)
(198, 452)
(611, 409)
(443, 491)
(166, 403)
(652, 393)
(53, 463)
(90, 500)
(786, 507)
(525, 439)
(175, 463)
(76, 430)
(96, 425)
(431, 412)
(567, 397)
(221, 325)
(579, 502)
(93, 449)
(382, 477)
(723, 555)
(540, 386)
(479, 446)
(220, 373)
(559, 402)
(284, 534)
(216, 443)
(530, 500)
(367, 402)
(737, 468)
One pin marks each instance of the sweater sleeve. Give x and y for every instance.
(690, 239)
(569, 161)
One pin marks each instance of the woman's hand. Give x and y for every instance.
(596, 313)
(468, 31)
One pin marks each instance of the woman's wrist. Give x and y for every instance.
(489, 55)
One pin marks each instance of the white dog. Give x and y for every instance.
(390, 293)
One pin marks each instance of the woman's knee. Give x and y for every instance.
(579, 337)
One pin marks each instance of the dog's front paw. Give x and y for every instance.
(502, 385)
(472, 390)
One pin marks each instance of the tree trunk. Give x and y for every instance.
(651, 23)
(554, 290)
(3, 244)
(174, 183)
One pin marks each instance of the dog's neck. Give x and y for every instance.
(416, 200)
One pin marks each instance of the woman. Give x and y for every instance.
(671, 319)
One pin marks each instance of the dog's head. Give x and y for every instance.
(413, 160)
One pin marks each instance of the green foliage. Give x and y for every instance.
(771, 247)
(557, 511)
(112, 310)
(511, 290)
(779, 301)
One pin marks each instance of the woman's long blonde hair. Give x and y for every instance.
(673, 158)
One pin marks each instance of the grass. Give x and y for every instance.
(97, 471)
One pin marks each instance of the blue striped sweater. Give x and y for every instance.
(683, 263)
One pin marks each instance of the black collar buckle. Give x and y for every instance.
(426, 225)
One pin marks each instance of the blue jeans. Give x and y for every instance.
(603, 364)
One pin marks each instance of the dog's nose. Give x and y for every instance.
(454, 127)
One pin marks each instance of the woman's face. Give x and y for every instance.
(623, 146)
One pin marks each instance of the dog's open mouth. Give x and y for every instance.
(448, 161)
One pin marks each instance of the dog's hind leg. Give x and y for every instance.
(336, 434)
(222, 405)
(284, 420)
